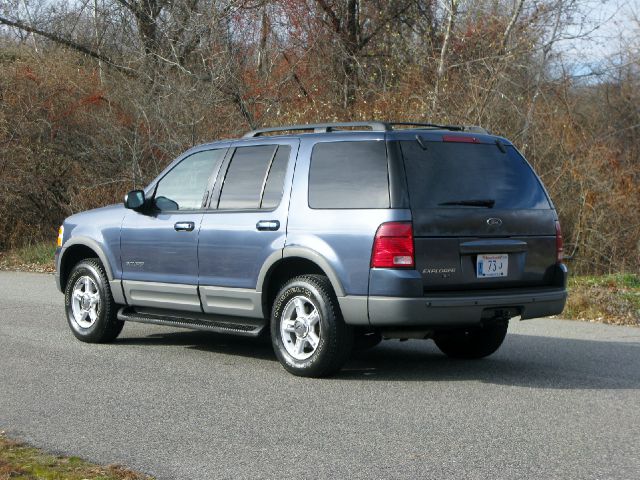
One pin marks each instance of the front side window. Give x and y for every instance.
(184, 187)
(255, 177)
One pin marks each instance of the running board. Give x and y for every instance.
(207, 323)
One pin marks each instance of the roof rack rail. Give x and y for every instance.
(426, 125)
(458, 128)
(320, 127)
(375, 126)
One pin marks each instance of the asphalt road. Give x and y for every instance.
(561, 399)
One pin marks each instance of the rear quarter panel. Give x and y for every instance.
(343, 237)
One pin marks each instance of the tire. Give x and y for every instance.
(91, 311)
(308, 334)
(472, 343)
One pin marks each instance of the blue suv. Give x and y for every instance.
(329, 237)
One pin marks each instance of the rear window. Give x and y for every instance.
(448, 174)
(349, 175)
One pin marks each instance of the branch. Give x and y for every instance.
(335, 21)
(66, 42)
(295, 75)
(512, 23)
(381, 24)
(133, 8)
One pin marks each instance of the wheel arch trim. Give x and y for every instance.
(93, 245)
(114, 284)
(299, 252)
(321, 261)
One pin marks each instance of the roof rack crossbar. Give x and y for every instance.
(321, 128)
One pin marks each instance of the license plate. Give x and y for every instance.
(492, 265)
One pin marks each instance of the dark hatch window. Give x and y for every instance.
(349, 175)
(255, 171)
(449, 172)
(183, 188)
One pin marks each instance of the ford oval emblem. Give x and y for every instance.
(494, 222)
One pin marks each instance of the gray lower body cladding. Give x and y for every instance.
(462, 309)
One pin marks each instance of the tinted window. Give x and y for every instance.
(245, 177)
(275, 180)
(183, 188)
(451, 172)
(349, 175)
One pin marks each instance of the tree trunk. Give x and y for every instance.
(453, 7)
(262, 49)
(350, 63)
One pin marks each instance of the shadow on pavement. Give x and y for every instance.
(208, 342)
(523, 360)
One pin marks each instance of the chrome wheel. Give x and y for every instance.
(300, 327)
(85, 302)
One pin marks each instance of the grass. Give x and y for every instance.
(37, 257)
(606, 298)
(22, 462)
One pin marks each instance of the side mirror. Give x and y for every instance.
(134, 199)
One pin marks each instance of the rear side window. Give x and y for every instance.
(255, 177)
(349, 175)
(448, 174)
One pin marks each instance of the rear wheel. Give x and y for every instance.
(308, 334)
(472, 343)
(91, 311)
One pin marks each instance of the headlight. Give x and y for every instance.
(60, 235)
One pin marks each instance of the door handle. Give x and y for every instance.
(268, 225)
(184, 226)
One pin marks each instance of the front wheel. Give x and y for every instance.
(91, 311)
(308, 334)
(472, 343)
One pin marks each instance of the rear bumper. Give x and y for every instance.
(463, 309)
(396, 299)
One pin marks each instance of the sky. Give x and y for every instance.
(617, 22)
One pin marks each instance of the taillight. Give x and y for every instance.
(393, 246)
(559, 243)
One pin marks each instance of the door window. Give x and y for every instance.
(255, 177)
(184, 187)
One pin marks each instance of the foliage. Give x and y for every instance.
(38, 257)
(610, 299)
(94, 103)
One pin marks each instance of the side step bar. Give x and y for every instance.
(207, 323)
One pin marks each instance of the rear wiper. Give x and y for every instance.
(488, 203)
